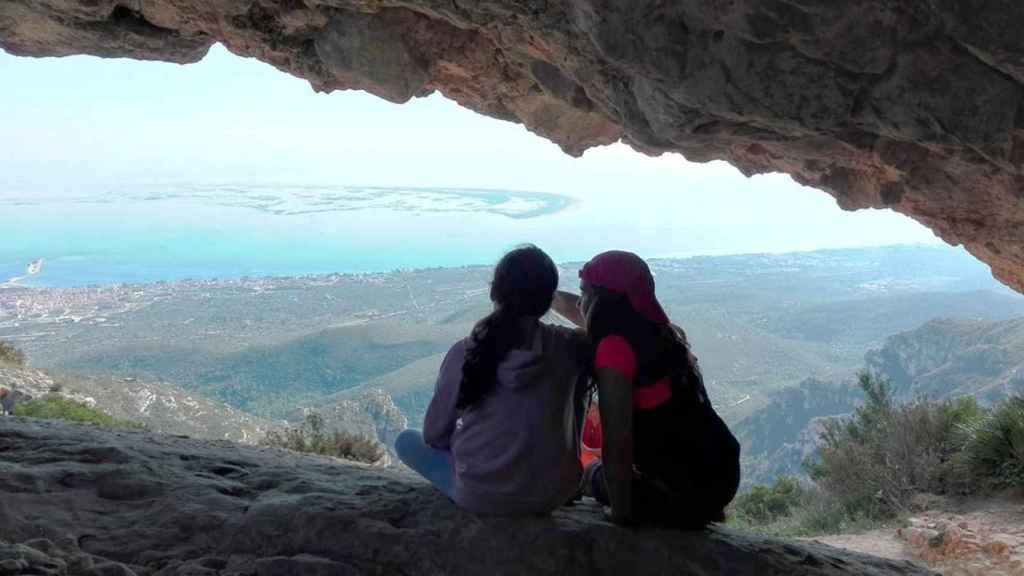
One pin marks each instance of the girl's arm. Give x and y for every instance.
(439, 423)
(565, 305)
(616, 391)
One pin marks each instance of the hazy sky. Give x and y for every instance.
(72, 124)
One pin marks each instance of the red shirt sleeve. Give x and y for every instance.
(615, 352)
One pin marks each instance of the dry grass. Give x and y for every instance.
(312, 437)
(55, 407)
(11, 355)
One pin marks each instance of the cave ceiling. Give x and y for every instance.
(912, 105)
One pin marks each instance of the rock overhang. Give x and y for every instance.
(917, 105)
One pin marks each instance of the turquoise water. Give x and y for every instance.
(158, 231)
(153, 233)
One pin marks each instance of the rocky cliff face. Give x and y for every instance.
(82, 500)
(779, 437)
(27, 384)
(168, 409)
(371, 412)
(949, 357)
(914, 105)
(161, 407)
(30, 383)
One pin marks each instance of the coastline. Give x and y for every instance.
(43, 281)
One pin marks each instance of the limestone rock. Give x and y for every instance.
(27, 382)
(24, 559)
(161, 407)
(184, 507)
(955, 545)
(915, 105)
(302, 565)
(371, 412)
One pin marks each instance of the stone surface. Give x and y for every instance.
(913, 105)
(85, 500)
(977, 543)
(956, 537)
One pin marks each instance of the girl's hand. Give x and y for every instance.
(611, 516)
(565, 304)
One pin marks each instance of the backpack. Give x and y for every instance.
(687, 459)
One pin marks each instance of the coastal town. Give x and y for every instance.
(21, 305)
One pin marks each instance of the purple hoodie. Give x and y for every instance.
(515, 451)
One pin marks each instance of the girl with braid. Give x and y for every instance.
(500, 436)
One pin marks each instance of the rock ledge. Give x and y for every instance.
(85, 500)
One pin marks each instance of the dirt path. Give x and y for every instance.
(883, 543)
(974, 538)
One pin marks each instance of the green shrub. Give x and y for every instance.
(312, 437)
(11, 355)
(993, 454)
(60, 408)
(873, 462)
(763, 504)
(811, 512)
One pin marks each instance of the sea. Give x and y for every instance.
(162, 231)
(176, 232)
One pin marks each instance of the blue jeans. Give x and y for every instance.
(433, 464)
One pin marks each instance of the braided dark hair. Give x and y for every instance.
(524, 285)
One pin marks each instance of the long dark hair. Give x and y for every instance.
(524, 285)
(660, 350)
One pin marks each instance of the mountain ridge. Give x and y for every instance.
(942, 359)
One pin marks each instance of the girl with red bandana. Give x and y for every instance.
(666, 456)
